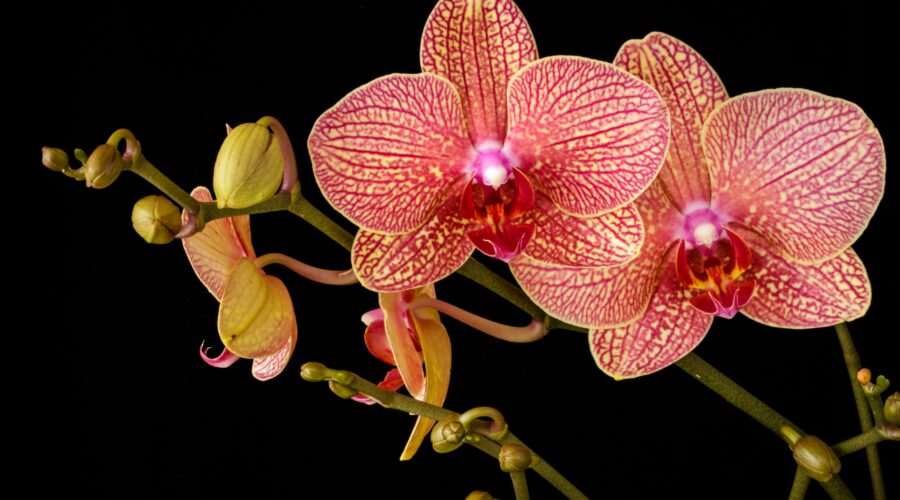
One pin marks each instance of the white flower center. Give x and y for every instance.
(705, 233)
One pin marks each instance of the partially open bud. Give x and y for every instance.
(103, 166)
(55, 159)
(448, 434)
(156, 219)
(248, 168)
(514, 458)
(816, 458)
(892, 408)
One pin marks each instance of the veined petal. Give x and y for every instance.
(669, 330)
(803, 169)
(215, 250)
(405, 353)
(565, 240)
(436, 349)
(592, 135)
(478, 45)
(388, 263)
(794, 295)
(691, 90)
(604, 296)
(272, 365)
(256, 317)
(386, 154)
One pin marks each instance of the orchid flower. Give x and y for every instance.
(489, 148)
(756, 207)
(406, 337)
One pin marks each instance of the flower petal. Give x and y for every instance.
(803, 169)
(436, 349)
(272, 365)
(217, 248)
(405, 353)
(592, 135)
(669, 330)
(794, 295)
(386, 154)
(565, 240)
(691, 90)
(377, 342)
(256, 317)
(478, 46)
(225, 359)
(604, 296)
(387, 263)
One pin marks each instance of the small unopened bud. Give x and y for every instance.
(816, 458)
(479, 495)
(156, 219)
(892, 408)
(342, 390)
(514, 458)
(103, 166)
(864, 376)
(448, 434)
(248, 168)
(55, 159)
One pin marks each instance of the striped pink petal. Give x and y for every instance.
(217, 248)
(565, 240)
(669, 330)
(592, 135)
(478, 45)
(794, 295)
(388, 263)
(272, 365)
(803, 169)
(405, 353)
(386, 154)
(604, 296)
(691, 90)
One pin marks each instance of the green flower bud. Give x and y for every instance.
(816, 458)
(479, 495)
(342, 390)
(103, 166)
(248, 168)
(448, 434)
(514, 458)
(892, 408)
(156, 219)
(55, 159)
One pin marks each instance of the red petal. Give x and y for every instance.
(377, 342)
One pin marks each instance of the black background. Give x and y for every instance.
(115, 400)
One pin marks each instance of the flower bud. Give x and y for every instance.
(248, 168)
(892, 408)
(864, 376)
(816, 458)
(55, 159)
(156, 219)
(479, 495)
(103, 166)
(514, 458)
(342, 390)
(448, 434)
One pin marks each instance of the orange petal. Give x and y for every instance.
(592, 136)
(478, 46)
(794, 295)
(256, 317)
(670, 328)
(434, 251)
(215, 250)
(405, 353)
(386, 154)
(803, 169)
(691, 90)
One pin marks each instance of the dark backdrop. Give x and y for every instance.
(117, 402)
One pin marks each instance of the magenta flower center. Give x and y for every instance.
(496, 197)
(713, 259)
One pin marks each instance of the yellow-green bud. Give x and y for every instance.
(479, 495)
(514, 458)
(816, 458)
(342, 390)
(156, 219)
(248, 168)
(448, 434)
(892, 408)
(103, 166)
(55, 159)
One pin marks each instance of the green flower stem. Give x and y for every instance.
(151, 174)
(837, 489)
(316, 372)
(734, 393)
(520, 485)
(210, 211)
(479, 273)
(856, 443)
(801, 483)
(306, 211)
(851, 359)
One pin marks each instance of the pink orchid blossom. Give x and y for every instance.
(756, 207)
(407, 337)
(489, 148)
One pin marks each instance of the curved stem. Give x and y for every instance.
(800, 485)
(851, 359)
(319, 275)
(520, 485)
(151, 174)
(519, 334)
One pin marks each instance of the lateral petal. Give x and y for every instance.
(405, 353)
(272, 365)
